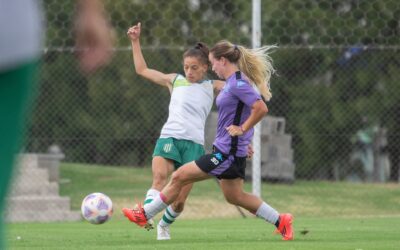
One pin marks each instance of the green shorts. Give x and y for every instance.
(180, 151)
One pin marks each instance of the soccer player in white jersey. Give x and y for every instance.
(182, 136)
(21, 46)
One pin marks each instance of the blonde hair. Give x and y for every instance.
(256, 63)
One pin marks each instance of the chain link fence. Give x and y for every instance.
(336, 87)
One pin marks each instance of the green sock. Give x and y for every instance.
(169, 217)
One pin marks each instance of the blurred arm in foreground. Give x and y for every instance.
(20, 52)
(94, 35)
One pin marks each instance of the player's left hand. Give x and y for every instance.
(250, 151)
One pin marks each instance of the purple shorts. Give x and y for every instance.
(222, 166)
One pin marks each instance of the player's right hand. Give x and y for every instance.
(134, 32)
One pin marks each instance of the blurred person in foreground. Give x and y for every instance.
(240, 108)
(21, 46)
(182, 136)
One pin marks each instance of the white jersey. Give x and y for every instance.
(21, 32)
(188, 110)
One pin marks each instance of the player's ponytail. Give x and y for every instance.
(256, 63)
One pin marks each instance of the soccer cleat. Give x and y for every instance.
(163, 233)
(285, 226)
(136, 215)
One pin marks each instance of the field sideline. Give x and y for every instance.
(328, 215)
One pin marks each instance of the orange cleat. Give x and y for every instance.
(136, 215)
(285, 226)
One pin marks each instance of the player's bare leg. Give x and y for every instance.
(171, 213)
(161, 170)
(234, 194)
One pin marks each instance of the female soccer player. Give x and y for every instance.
(240, 107)
(182, 136)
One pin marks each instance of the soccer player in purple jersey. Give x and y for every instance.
(240, 107)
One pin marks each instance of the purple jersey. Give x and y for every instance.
(237, 89)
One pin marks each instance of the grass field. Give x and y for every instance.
(324, 233)
(327, 216)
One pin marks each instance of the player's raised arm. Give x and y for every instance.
(140, 64)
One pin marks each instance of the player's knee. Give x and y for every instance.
(233, 199)
(177, 178)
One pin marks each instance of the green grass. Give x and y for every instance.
(335, 215)
(323, 233)
(303, 198)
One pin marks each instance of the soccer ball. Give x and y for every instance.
(97, 208)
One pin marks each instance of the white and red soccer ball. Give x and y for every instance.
(97, 208)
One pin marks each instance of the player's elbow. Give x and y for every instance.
(140, 71)
(264, 110)
(261, 108)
